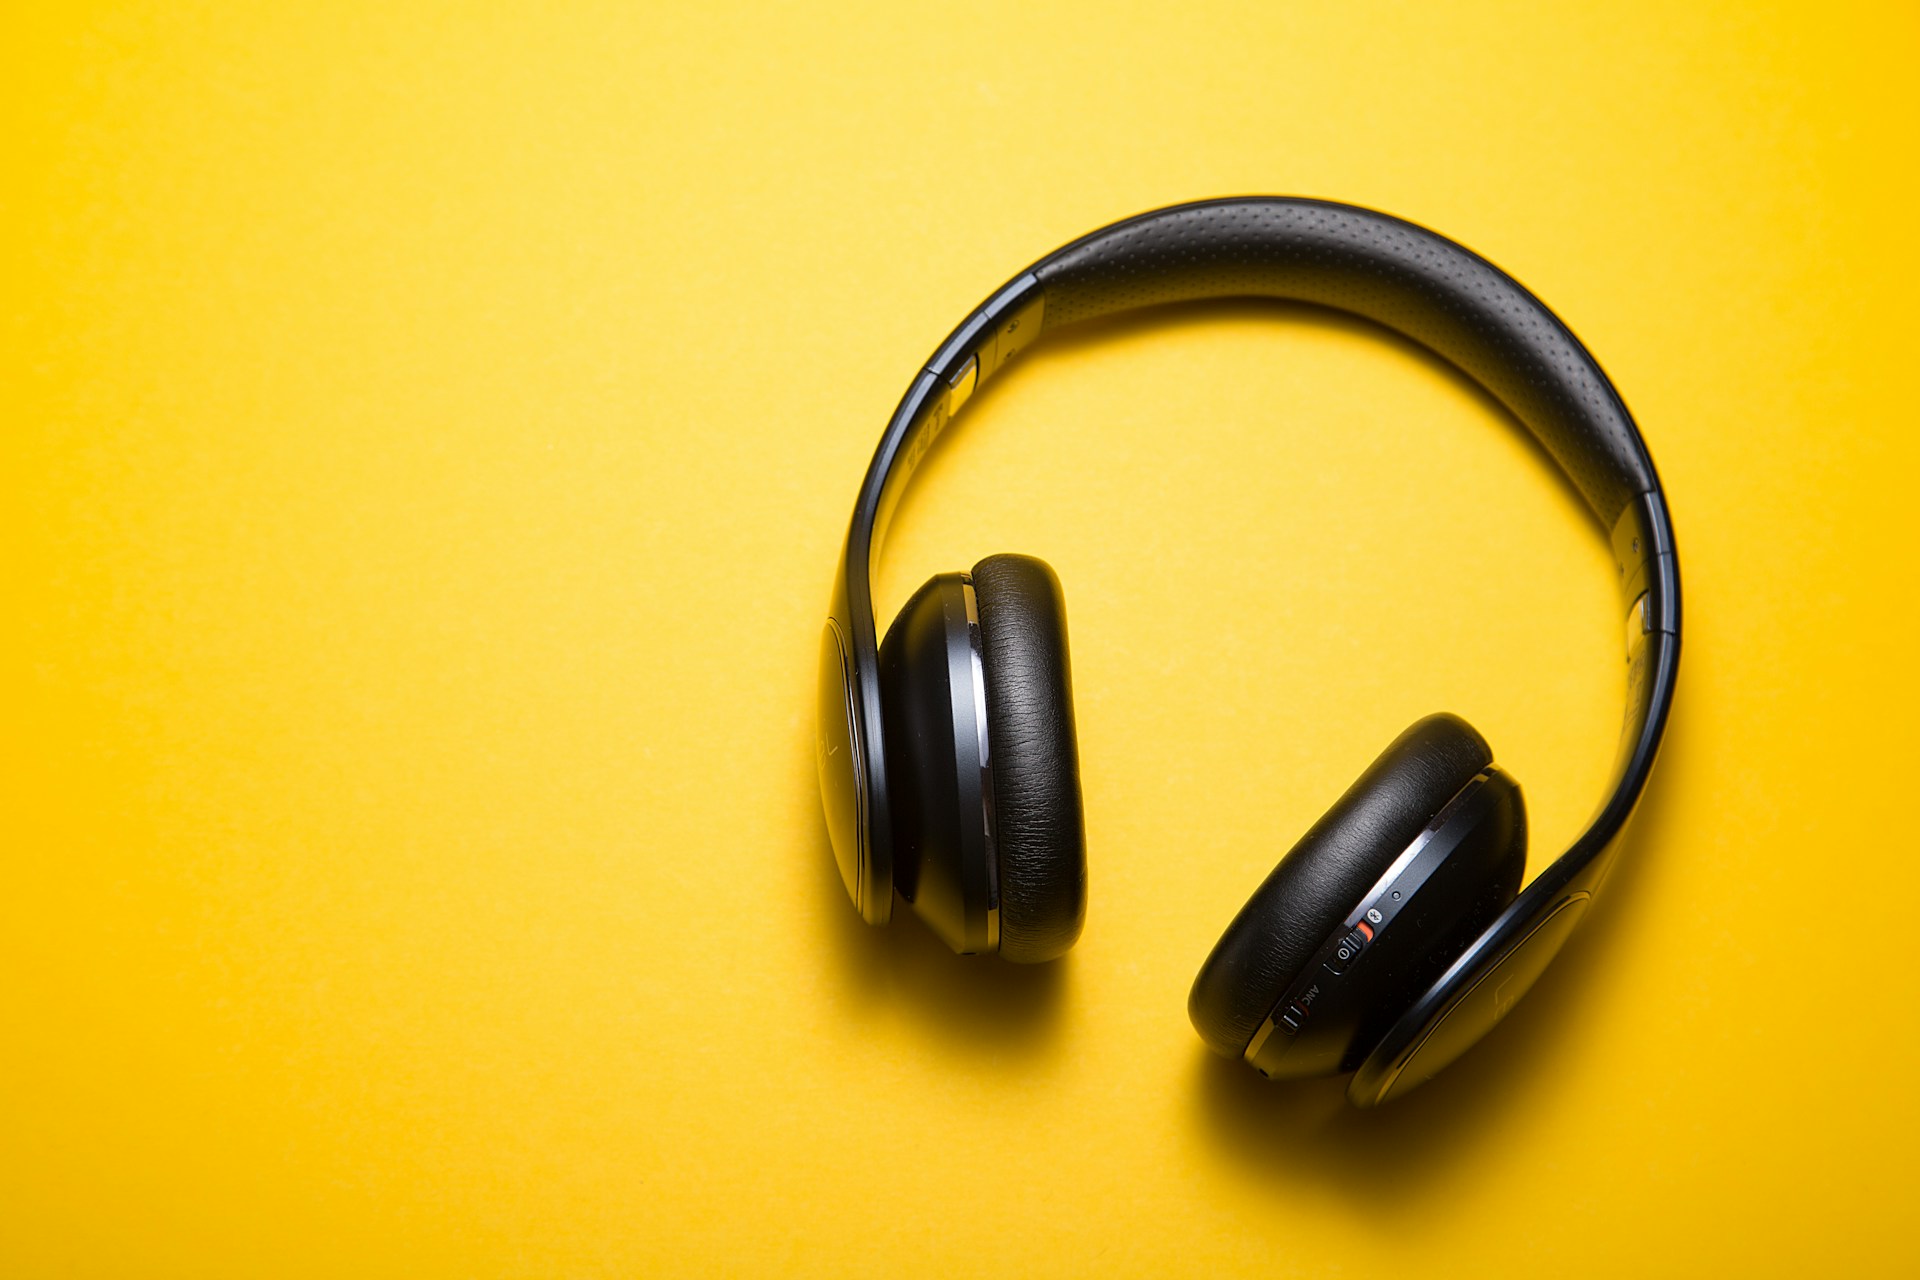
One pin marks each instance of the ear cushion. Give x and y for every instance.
(1038, 832)
(1326, 874)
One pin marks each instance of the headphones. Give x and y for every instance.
(1395, 933)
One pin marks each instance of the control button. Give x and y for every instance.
(1347, 951)
(1289, 1024)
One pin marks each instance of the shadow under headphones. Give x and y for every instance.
(1395, 933)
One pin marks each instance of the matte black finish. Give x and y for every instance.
(1326, 874)
(1403, 276)
(1039, 833)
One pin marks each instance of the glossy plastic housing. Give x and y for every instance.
(1480, 987)
(857, 785)
(1429, 906)
(838, 752)
(930, 672)
(1408, 279)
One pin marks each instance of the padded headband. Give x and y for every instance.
(1381, 268)
(1404, 277)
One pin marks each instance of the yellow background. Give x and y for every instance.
(427, 435)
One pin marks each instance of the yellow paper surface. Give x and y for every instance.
(426, 433)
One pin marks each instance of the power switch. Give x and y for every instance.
(1348, 949)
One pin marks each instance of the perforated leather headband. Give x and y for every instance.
(1398, 275)
(1392, 272)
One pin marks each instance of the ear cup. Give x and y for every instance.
(929, 701)
(1038, 832)
(1326, 875)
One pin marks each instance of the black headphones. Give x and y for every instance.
(1396, 933)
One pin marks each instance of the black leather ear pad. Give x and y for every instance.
(1326, 874)
(1037, 827)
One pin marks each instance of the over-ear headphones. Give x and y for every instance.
(1396, 932)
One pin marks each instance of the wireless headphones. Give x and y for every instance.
(1395, 933)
